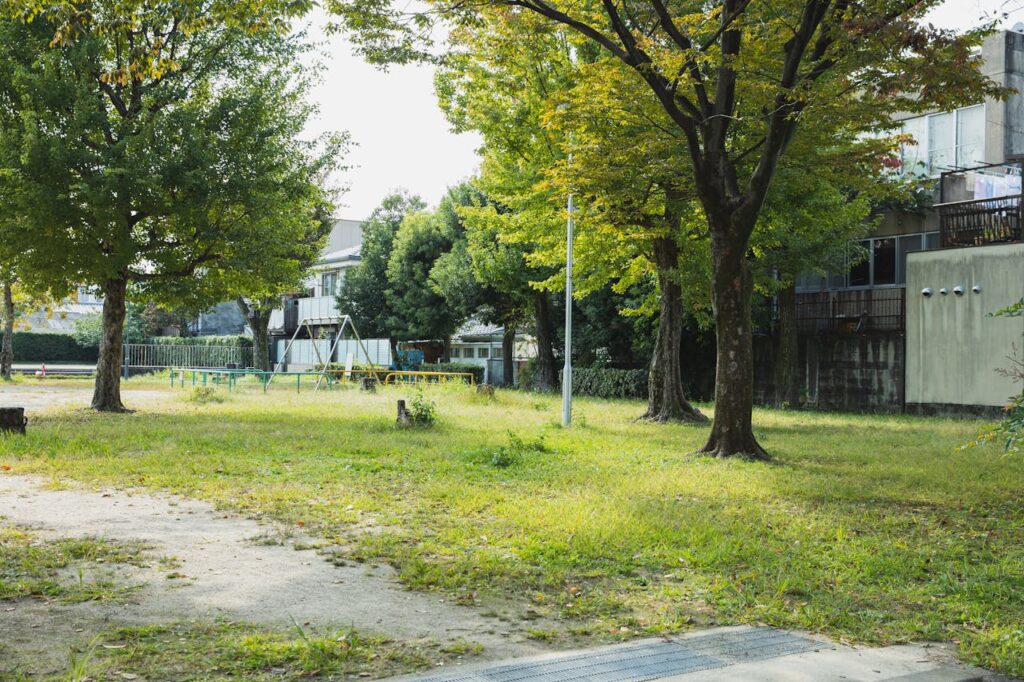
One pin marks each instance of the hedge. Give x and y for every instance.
(476, 370)
(37, 347)
(605, 382)
(230, 341)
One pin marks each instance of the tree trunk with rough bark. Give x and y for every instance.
(731, 288)
(258, 319)
(547, 373)
(7, 347)
(666, 398)
(107, 395)
(787, 361)
(508, 346)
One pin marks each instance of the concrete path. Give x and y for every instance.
(740, 654)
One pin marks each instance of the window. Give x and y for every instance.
(860, 274)
(329, 283)
(970, 136)
(884, 264)
(483, 352)
(883, 261)
(455, 352)
(941, 142)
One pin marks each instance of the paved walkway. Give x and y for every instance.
(744, 654)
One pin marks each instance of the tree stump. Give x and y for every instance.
(12, 420)
(369, 384)
(404, 418)
(485, 390)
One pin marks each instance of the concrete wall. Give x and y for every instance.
(844, 372)
(954, 348)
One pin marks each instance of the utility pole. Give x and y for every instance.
(567, 370)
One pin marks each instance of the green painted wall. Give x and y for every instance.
(954, 348)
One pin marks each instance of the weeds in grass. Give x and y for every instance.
(422, 411)
(30, 566)
(202, 395)
(517, 448)
(239, 651)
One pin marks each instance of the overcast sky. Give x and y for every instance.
(404, 141)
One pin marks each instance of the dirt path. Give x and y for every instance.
(41, 398)
(228, 576)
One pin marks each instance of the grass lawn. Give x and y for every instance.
(867, 528)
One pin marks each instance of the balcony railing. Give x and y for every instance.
(981, 221)
(851, 311)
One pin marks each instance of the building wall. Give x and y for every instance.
(841, 372)
(954, 347)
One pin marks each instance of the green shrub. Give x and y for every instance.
(476, 370)
(605, 382)
(422, 411)
(37, 347)
(202, 395)
(517, 449)
(228, 341)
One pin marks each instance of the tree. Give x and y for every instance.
(110, 195)
(281, 267)
(362, 293)
(737, 79)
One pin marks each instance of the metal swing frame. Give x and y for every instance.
(342, 321)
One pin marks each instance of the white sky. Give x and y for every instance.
(403, 141)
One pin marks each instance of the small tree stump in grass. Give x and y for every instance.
(369, 384)
(12, 420)
(404, 418)
(485, 389)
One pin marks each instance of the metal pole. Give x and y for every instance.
(567, 369)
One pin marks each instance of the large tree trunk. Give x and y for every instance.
(7, 347)
(666, 397)
(787, 387)
(547, 373)
(107, 395)
(508, 346)
(732, 287)
(258, 319)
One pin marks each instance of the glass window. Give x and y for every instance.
(883, 258)
(941, 143)
(970, 136)
(860, 274)
(913, 159)
(329, 284)
(455, 352)
(482, 352)
(931, 241)
(906, 245)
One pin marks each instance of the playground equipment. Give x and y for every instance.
(343, 322)
(408, 360)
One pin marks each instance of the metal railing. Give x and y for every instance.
(851, 311)
(229, 378)
(981, 221)
(429, 378)
(159, 356)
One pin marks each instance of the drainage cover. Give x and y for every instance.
(642, 661)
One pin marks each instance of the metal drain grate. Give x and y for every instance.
(753, 644)
(643, 662)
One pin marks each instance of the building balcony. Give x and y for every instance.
(313, 308)
(851, 311)
(980, 221)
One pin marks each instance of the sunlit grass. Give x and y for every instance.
(873, 528)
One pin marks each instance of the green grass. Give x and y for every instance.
(875, 529)
(184, 652)
(65, 569)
